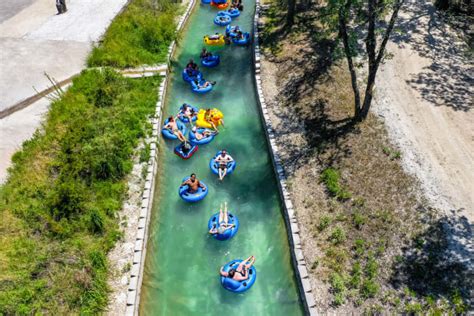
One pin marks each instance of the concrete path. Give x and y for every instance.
(34, 40)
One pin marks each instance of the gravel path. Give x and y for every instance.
(425, 95)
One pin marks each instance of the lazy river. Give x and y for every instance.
(181, 274)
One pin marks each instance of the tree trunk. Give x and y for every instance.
(290, 15)
(375, 59)
(343, 10)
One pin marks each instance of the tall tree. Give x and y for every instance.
(356, 21)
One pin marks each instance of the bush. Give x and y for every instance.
(324, 223)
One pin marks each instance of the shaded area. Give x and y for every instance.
(449, 79)
(427, 269)
(9, 8)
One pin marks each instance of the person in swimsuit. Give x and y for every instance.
(223, 223)
(205, 53)
(205, 85)
(215, 36)
(208, 118)
(223, 160)
(192, 65)
(173, 127)
(188, 112)
(202, 135)
(241, 273)
(193, 184)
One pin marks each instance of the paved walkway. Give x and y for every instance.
(34, 40)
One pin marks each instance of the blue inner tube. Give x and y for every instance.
(192, 197)
(233, 13)
(202, 141)
(210, 61)
(179, 150)
(190, 76)
(219, 1)
(183, 118)
(215, 166)
(205, 1)
(222, 20)
(169, 134)
(230, 30)
(242, 41)
(238, 286)
(196, 89)
(228, 233)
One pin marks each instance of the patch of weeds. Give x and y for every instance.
(358, 202)
(460, 307)
(339, 288)
(145, 153)
(338, 236)
(358, 219)
(126, 267)
(324, 223)
(331, 178)
(356, 275)
(369, 288)
(371, 268)
(315, 265)
(336, 259)
(392, 154)
(359, 247)
(413, 308)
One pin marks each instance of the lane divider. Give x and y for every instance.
(298, 259)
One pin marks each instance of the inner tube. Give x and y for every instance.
(238, 286)
(228, 233)
(185, 154)
(223, 4)
(196, 89)
(191, 75)
(205, 1)
(215, 166)
(211, 61)
(216, 117)
(192, 197)
(232, 12)
(242, 41)
(230, 30)
(202, 141)
(220, 41)
(222, 20)
(183, 118)
(169, 134)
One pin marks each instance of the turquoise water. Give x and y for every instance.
(182, 265)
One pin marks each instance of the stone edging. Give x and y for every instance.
(136, 271)
(299, 262)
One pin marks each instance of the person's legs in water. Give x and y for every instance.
(181, 136)
(226, 215)
(221, 215)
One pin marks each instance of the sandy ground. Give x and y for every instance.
(34, 40)
(425, 95)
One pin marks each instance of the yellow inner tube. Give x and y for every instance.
(215, 116)
(214, 42)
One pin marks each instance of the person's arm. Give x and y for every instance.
(202, 186)
(213, 230)
(184, 183)
(223, 273)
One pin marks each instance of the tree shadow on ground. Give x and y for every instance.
(302, 113)
(448, 80)
(438, 262)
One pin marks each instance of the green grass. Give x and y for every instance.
(331, 178)
(140, 35)
(59, 205)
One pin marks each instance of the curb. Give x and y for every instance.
(298, 260)
(138, 263)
